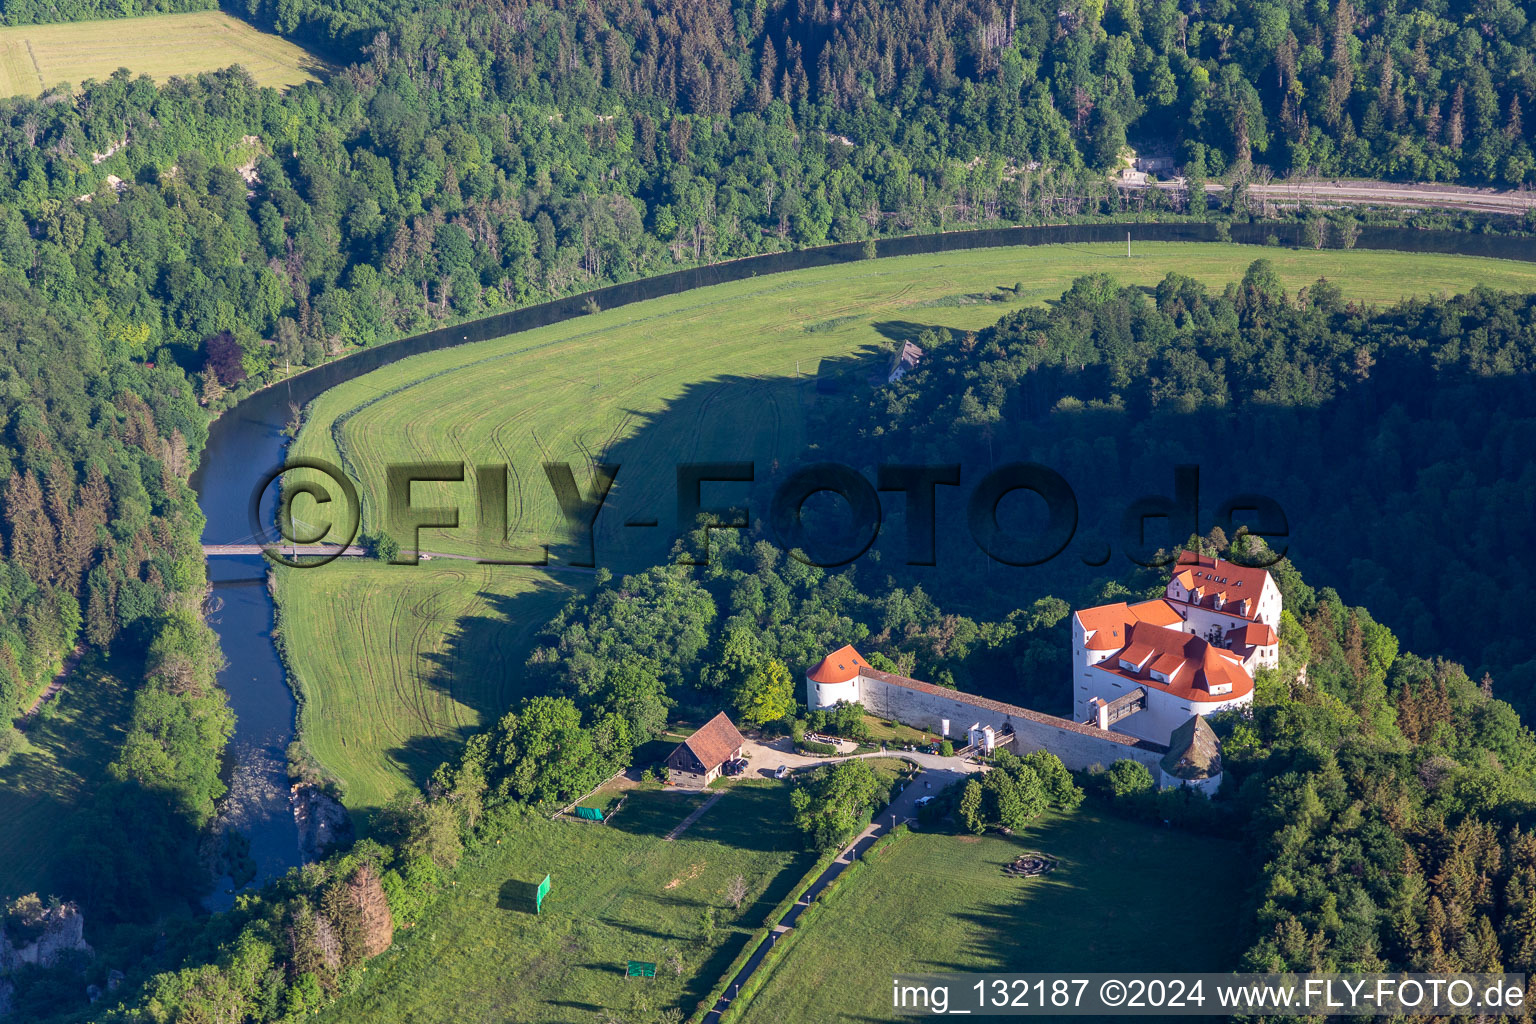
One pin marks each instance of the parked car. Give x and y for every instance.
(783, 772)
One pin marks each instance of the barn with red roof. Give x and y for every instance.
(698, 760)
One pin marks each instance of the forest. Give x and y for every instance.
(32, 12)
(476, 157)
(1388, 799)
(1378, 787)
(102, 555)
(164, 248)
(480, 156)
(1400, 473)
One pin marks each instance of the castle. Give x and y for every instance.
(1192, 651)
(1144, 677)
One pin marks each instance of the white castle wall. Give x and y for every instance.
(1079, 746)
(1206, 786)
(1164, 712)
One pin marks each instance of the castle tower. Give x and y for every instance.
(835, 678)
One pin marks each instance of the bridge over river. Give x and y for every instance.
(291, 550)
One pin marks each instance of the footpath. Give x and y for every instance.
(52, 689)
(938, 772)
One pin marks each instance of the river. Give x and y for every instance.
(247, 441)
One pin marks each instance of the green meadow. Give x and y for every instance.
(1122, 897)
(396, 664)
(619, 892)
(64, 758)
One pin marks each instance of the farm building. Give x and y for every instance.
(906, 358)
(698, 759)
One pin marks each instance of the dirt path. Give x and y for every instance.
(52, 689)
(698, 812)
(903, 808)
(357, 551)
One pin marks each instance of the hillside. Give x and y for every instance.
(228, 212)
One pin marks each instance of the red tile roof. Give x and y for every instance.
(1194, 666)
(840, 666)
(908, 357)
(1254, 634)
(1206, 577)
(1110, 623)
(715, 743)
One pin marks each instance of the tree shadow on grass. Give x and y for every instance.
(655, 813)
(755, 817)
(1088, 914)
(629, 927)
(903, 331)
(584, 1007)
(44, 786)
(481, 666)
(729, 418)
(1342, 459)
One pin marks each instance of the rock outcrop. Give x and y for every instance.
(36, 934)
(40, 934)
(321, 818)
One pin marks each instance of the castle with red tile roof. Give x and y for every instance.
(1192, 651)
(1145, 675)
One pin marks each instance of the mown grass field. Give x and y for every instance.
(399, 665)
(34, 58)
(1119, 899)
(68, 747)
(618, 892)
(397, 662)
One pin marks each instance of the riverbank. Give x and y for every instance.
(1506, 208)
